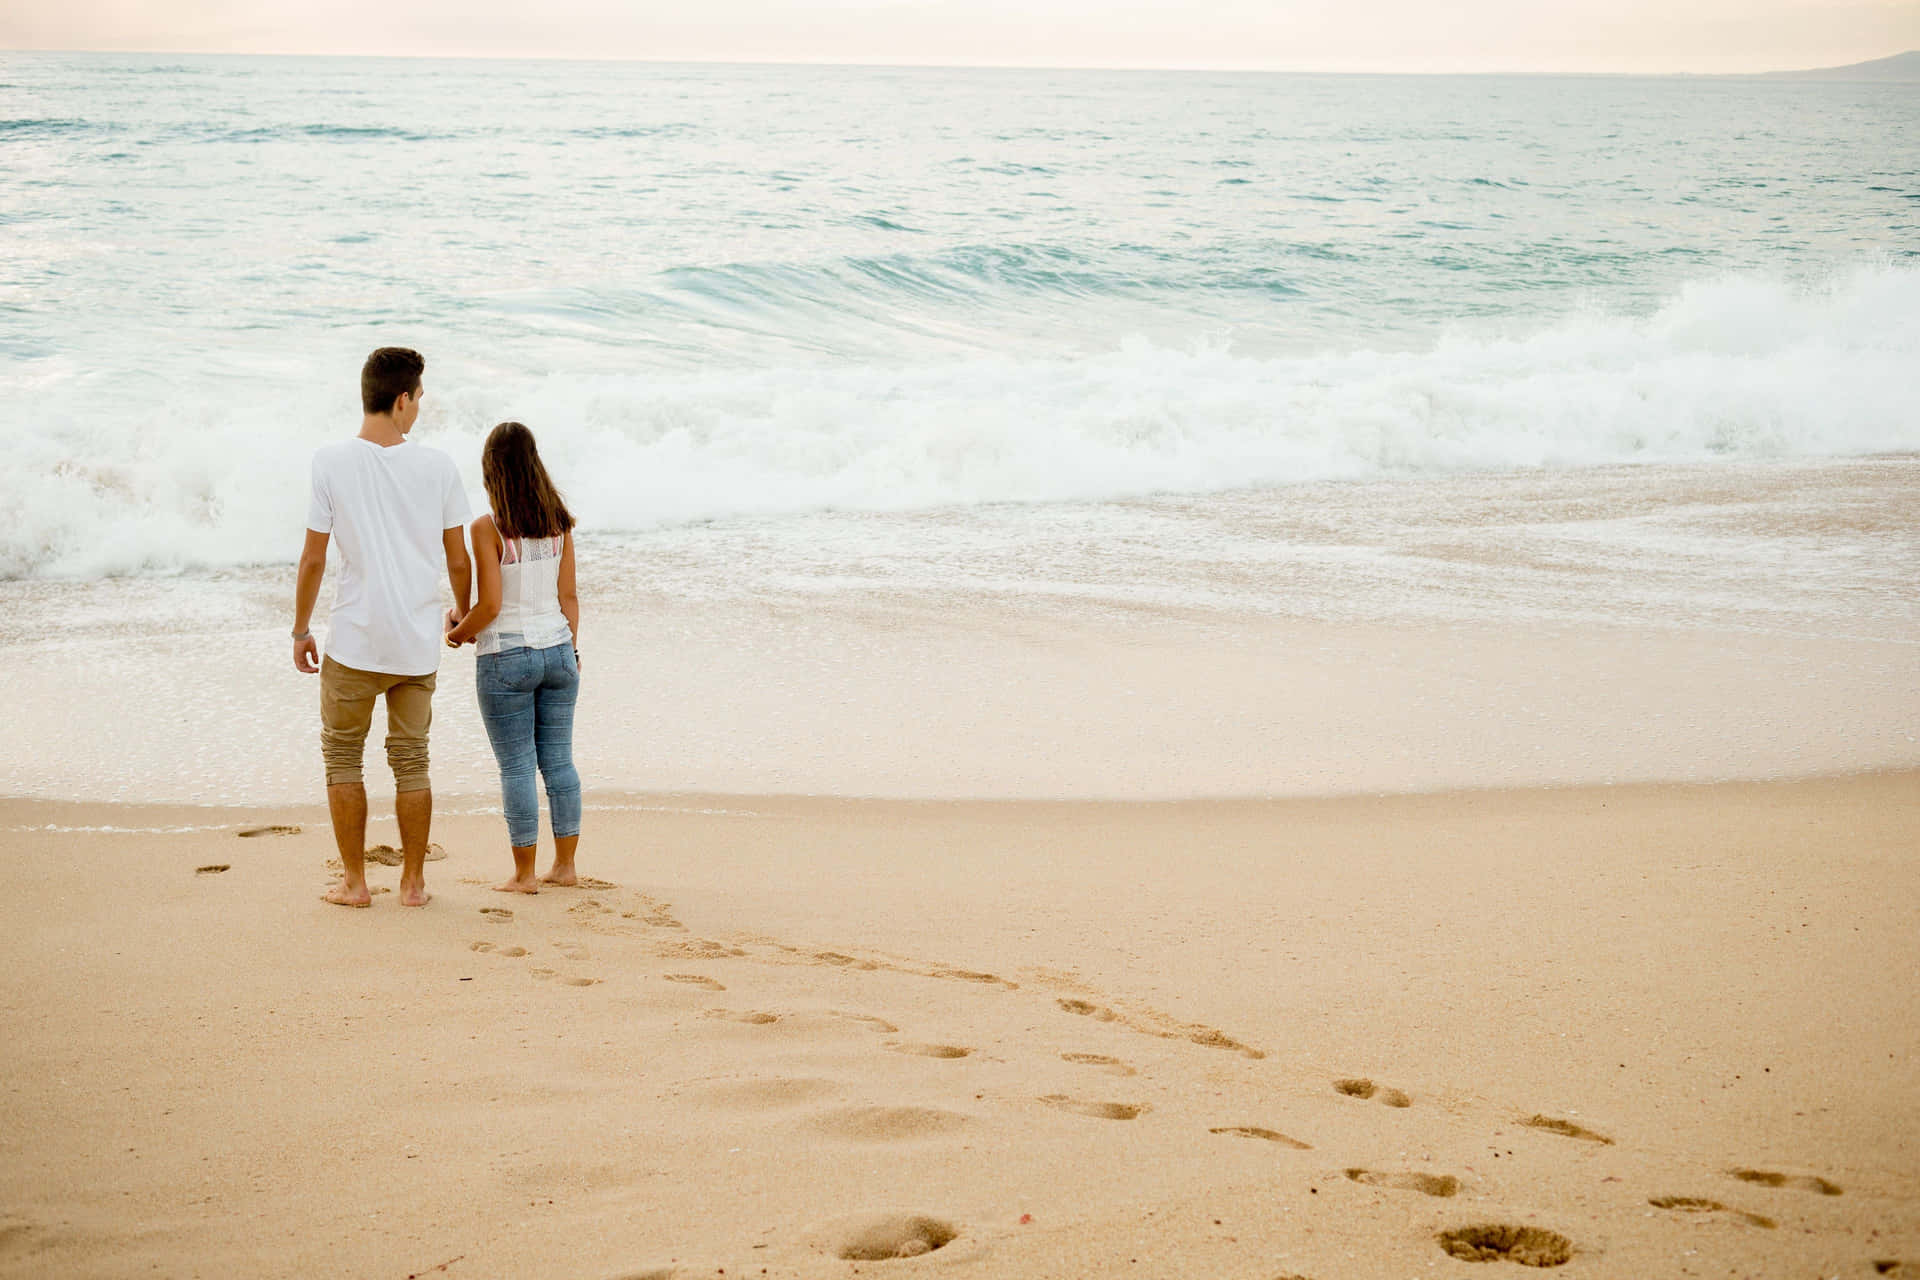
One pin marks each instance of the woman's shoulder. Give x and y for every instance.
(483, 526)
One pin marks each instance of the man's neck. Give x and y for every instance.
(379, 428)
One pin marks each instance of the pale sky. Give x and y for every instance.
(1306, 35)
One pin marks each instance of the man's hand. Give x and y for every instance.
(306, 655)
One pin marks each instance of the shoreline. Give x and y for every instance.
(889, 703)
(795, 1017)
(1521, 629)
(228, 817)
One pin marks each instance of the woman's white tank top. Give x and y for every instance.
(529, 596)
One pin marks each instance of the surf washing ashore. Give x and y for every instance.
(1182, 675)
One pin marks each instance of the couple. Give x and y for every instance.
(397, 512)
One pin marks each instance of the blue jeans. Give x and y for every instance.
(526, 701)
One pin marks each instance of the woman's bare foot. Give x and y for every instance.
(517, 885)
(562, 875)
(343, 895)
(414, 893)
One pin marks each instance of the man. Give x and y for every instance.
(397, 511)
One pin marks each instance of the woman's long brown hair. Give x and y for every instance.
(525, 503)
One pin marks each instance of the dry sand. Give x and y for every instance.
(1677, 1026)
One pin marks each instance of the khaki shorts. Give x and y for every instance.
(346, 713)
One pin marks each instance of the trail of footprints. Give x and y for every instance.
(895, 1236)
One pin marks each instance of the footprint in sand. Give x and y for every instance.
(1112, 1066)
(1798, 1182)
(1427, 1184)
(213, 868)
(1098, 1110)
(571, 950)
(700, 949)
(1265, 1135)
(888, 1236)
(657, 915)
(694, 979)
(866, 1020)
(843, 961)
(592, 882)
(1086, 1009)
(388, 856)
(931, 1050)
(499, 915)
(1697, 1204)
(1502, 1242)
(1889, 1267)
(752, 1018)
(249, 833)
(1361, 1087)
(546, 974)
(511, 953)
(1213, 1039)
(973, 975)
(1566, 1129)
(889, 1124)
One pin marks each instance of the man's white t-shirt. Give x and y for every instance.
(386, 508)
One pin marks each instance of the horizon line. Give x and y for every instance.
(1186, 68)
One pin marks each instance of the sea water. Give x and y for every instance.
(721, 291)
(1595, 350)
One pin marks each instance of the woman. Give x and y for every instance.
(526, 623)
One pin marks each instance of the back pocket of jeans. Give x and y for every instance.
(511, 670)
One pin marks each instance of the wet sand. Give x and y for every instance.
(1629, 624)
(1675, 1027)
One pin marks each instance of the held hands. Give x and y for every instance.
(306, 654)
(454, 619)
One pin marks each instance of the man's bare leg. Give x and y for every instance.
(523, 881)
(563, 851)
(414, 809)
(347, 806)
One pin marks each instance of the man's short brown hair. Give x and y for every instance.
(388, 374)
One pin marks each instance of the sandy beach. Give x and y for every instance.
(1675, 1027)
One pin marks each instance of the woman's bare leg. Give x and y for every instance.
(523, 881)
(563, 850)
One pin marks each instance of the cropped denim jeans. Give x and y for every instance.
(526, 700)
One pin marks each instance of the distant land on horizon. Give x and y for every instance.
(1901, 66)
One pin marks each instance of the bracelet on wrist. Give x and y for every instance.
(303, 635)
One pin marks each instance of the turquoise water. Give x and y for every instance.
(726, 292)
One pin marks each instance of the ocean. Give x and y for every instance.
(1587, 350)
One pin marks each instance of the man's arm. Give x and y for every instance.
(306, 594)
(459, 573)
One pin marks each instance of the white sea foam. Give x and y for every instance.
(1743, 368)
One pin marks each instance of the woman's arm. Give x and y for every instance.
(569, 598)
(486, 563)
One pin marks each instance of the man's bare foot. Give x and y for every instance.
(344, 895)
(517, 885)
(565, 876)
(414, 895)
